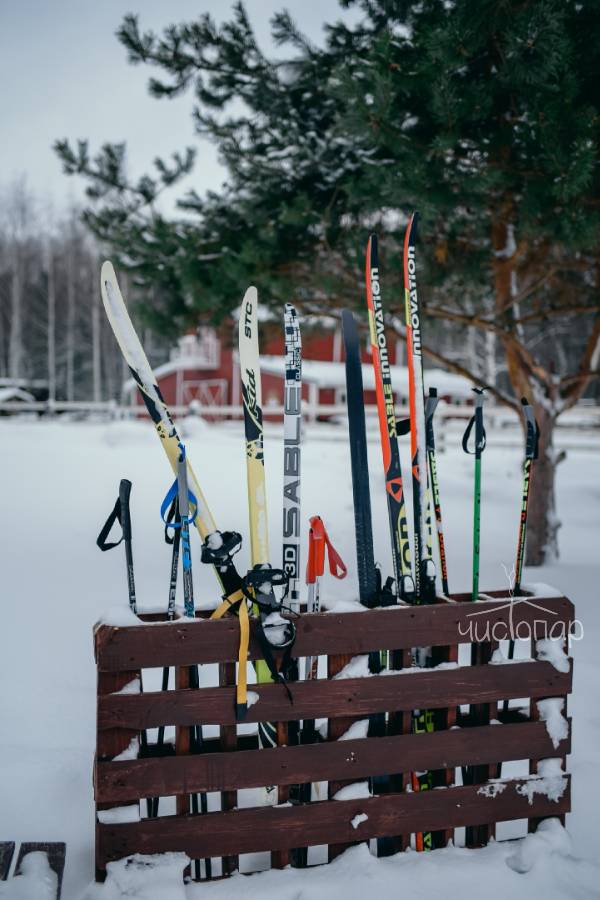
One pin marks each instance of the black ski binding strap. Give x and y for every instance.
(387, 597)
(402, 427)
(231, 542)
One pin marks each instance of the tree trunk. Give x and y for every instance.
(51, 339)
(70, 329)
(15, 339)
(542, 523)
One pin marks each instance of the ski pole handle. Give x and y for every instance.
(124, 495)
(477, 421)
(533, 430)
(315, 565)
(319, 543)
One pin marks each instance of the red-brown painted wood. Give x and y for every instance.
(278, 828)
(336, 727)
(400, 627)
(345, 760)
(228, 741)
(425, 689)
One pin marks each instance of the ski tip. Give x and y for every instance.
(248, 317)
(412, 227)
(348, 322)
(432, 392)
(372, 252)
(524, 401)
(108, 271)
(241, 710)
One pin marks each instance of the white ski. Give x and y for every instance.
(292, 425)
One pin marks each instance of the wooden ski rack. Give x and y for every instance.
(232, 762)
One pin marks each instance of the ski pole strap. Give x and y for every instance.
(532, 442)
(172, 515)
(220, 546)
(318, 544)
(120, 514)
(477, 421)
(165, 507)
(402, 427)
(236, 603)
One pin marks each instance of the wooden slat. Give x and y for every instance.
(481, 714)
(111, 741)
(279, 828)
(400, 722)
(399, 627)
(343, 760)
(336, 727)
(425, 689)
(229, 742)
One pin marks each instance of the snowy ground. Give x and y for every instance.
(58, 482)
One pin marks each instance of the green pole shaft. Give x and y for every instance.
(476, 528)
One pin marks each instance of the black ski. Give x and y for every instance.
(371, 593)
(365, 559)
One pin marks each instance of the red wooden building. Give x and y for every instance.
(204, 370)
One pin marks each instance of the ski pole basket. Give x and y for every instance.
(389, 806)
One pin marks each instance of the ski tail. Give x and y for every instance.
(401, 556)
(367, 573)
(424, 569)
(292, 427)
(430, 407)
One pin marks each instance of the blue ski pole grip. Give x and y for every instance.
(166, 504)
(192, 499)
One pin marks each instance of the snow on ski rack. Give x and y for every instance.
(470, 792)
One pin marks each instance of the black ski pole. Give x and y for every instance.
(172, 516)
(196, 739)
(430, 406)
(532, 435)
(121, 513)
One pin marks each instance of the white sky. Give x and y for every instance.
(65, 74)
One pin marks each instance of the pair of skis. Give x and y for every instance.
(411, 585)
(218, 548)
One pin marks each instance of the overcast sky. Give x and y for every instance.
(64, 74)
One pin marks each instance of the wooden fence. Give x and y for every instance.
(387, 758)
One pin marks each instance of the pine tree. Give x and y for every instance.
(482, 114)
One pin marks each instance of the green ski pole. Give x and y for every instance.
(477, 421)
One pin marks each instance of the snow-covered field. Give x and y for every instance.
(58, 483)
